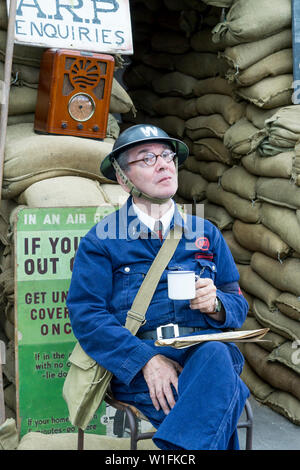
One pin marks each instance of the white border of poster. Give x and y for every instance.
(90, 25)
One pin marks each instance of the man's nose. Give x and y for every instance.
(161, 162)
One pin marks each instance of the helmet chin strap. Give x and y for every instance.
(133, 190)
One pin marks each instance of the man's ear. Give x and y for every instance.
(122, 184)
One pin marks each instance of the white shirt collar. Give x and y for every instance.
(150, 221)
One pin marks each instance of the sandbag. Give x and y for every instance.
(240, 254)
(201, 65)
(256, 237)
(3, 15)
(237, 180)
(201, 41)
(276, 321)
(213, 85)
(175, 84)
(243, 137)
(283, 275)
(159, 60)
(31, 157)
(219, 3)
(199, 127)
(285, 404)
(270, 92)
(221, 104)
(279, 63)
(238, 207)
(296, 165)
(276, 166)
(20, 119)
(282, 221)
(173, 125)
(278, 191)
(22, 100)
(63, 191)
(120, 101)
(6, 207)
(33, 441)
(139, 76)
(260, 389)
(9, 437)
(275, 374)
(273, 340)
(211, 149)
(217, 215)
(248, 21)
(170, 42)
(242, 56)
(191, 186)
(143, 100)
(175, 106)
(289, 304)
(114, 194)
(283, 127)
(211, 171)
(288, 355)
(27, 55)
(251, 282)
(258, 116)
(22, 75)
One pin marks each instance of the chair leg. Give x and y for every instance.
(248, 424)
(249, 432)
(80, 439)
(133, 428)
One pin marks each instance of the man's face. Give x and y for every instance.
(159, 180)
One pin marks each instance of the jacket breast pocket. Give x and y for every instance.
(206, 268)
(128, 280)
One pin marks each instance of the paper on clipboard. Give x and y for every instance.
(181, 342)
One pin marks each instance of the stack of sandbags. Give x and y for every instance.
(258, 49)
(176, 81)
(25, 75)
(241, 129)
(7, 321)
(260, 192)
(44, 171)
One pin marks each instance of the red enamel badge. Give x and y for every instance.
(202, 243)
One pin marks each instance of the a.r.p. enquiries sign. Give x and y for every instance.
(91, 25)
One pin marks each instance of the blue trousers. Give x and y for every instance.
(211, 398)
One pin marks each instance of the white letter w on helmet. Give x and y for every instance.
(147, 131)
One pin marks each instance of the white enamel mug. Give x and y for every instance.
(181, 285)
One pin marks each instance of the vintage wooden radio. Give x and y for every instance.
(74, 93)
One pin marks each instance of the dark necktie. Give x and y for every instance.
(158, 229)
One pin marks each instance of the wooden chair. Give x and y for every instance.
(133, 415)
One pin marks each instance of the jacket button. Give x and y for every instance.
(127, 269)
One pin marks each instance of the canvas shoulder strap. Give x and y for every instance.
(136, 315)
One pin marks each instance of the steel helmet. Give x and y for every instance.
(136, 135)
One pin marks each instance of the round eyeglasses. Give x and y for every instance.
(150, 158)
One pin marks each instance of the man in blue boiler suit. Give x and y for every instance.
(194, 396)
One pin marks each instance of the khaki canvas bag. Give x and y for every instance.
(87, 381)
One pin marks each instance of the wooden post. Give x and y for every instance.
(7, 79)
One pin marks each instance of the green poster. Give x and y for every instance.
(46, 240)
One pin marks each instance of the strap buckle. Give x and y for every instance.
(175, 334)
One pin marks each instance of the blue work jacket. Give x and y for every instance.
(110, 265)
